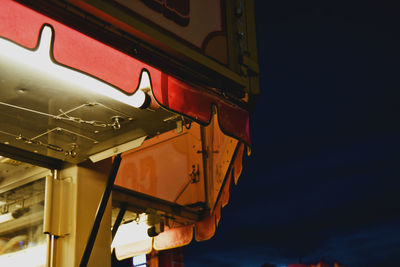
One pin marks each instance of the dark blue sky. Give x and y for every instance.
(323, 181)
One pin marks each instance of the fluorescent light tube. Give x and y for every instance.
(40, 59)
(117, 149)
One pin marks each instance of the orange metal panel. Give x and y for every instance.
(205, 229)
(221, 151)
(165, 167)
(226, 190)
(238, 164)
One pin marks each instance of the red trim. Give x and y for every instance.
(234, 120)
(80, 52)
(197, 104)
(72, 48)
(97, 59)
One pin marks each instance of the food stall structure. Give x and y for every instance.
(123, 125)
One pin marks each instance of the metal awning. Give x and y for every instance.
(71, 120)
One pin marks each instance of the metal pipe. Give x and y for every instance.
(48, 196)
(47, 225)
(49, 251)
(55, 174)
(51, 239)
(100, 211)
(53, 250)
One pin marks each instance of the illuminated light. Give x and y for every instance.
(139, 260)
(117, 149)
(35, 256)
(40, 59)
(131, 232)
(5, 217)
(132, 239)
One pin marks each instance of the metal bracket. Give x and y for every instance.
(57, 197)
(195, 174)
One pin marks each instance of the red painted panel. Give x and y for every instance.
(17, 24)
(197, 104)
(234, 121)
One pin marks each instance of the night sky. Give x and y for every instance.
(323, 181)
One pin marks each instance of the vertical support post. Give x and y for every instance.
(49, 251)
(47, 225)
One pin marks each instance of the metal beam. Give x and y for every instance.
(29, 157)
(139, 202)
